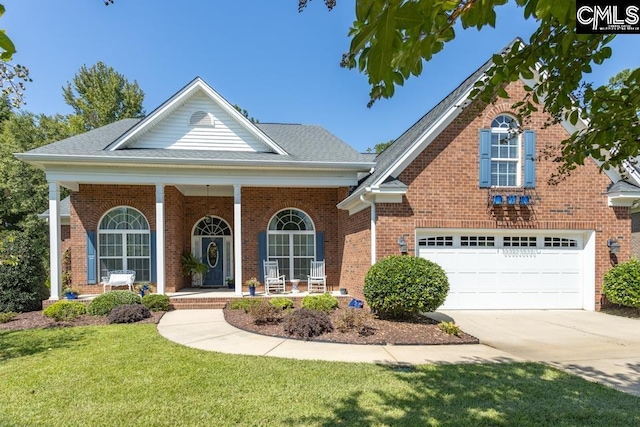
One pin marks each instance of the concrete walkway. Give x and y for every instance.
(207, 330)
(596, 346)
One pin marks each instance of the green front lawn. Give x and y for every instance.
(129, 375)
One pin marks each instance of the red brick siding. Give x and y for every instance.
(356, 250)
(443, 192)
(91, 202)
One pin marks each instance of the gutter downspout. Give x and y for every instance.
(373, 227)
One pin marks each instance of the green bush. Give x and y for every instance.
(103, 304)
(281, 302)
(264, 313)
(156, 302)
(129, 313)
(622, 284)
(450, 328)
(23, 274)
(325, 302)
(305, 323)
(65, 310)
(402, 286)
(7, 316)
(243, 304)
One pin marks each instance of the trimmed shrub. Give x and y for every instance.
(65, 310)
(282, 303)
(355, 319)
(7, 316)
(264, 313)
(243, 304)
(325, 302)
(305, 323)
(622, 284)
(156, 302)
(23, 274)
(129, 313)
(103, 304)
(402, 286)
(450, 328)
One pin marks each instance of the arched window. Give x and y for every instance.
(505, 152)
(123, 242)
(292, 242)
(212, 226)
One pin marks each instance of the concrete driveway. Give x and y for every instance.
(596, 346)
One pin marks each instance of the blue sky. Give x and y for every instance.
(280, 65)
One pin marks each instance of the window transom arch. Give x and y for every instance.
(124, 242)
(212, 226)
(291, 237)
(505, 152)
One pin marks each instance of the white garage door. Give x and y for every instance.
(508, 270)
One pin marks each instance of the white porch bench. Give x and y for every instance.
(119, 278)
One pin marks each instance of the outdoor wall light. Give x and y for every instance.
(403, 245)
(614, 246)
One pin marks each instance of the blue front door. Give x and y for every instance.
(212, 254)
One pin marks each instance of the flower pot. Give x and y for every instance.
(231, 285)
(252, 291)
(343, 291)
(71, 295)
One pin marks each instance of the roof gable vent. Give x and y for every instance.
(200, 118)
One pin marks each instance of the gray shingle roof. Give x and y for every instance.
(303, 143)
(623, 187)
(395, 151)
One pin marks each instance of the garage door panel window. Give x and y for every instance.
(519, 241)
(560, 242)
(477, 241)
(436, 241)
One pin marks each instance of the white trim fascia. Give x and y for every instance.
(589, 271)
(222, 177)
(178, 99)
(622, 199)
(44, 160)
(355, 203)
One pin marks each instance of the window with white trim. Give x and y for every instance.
(436, 241)
(124, 243)
(505, 152)
(477, 241)
(519, 241)
(559, 242)
(291, 241)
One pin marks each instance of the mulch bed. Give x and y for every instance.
(423, 331)
(618, 310)
(35, 319)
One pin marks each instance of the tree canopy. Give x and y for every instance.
(391, 39)
(100, 95)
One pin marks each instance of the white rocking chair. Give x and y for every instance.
(272, 278)
(317, 280)
(119, 278)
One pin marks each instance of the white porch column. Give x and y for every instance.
(54, 240)
(237, 238)
(160, 238)
(373, 227)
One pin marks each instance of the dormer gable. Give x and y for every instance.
(197, 118)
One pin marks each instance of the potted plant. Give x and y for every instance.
(143, 288)
(192, 266)
(70, 293)
(252, 283)
(231, 283)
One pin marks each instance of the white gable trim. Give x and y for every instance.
(178, 99)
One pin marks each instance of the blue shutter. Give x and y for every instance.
(154, 262)
(529, 159)
(319, 246)
(262, 254)
(485, 158)
(91, 258)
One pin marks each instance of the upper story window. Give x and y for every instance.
(201, 118)
(507, 155)
(505, 152)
